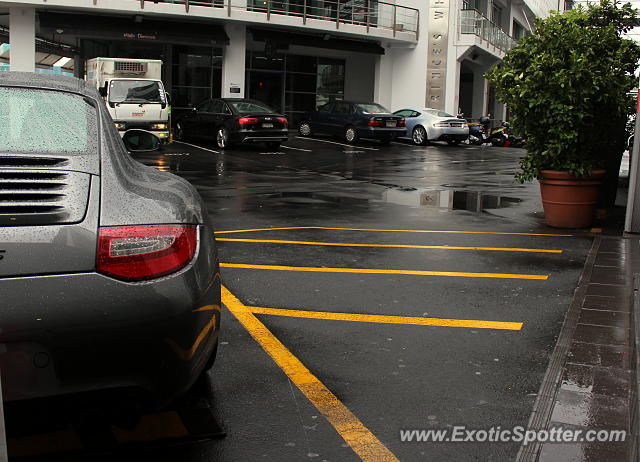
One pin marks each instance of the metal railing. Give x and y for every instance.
(474, 22)
(368, 13)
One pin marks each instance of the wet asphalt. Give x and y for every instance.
(391, 377)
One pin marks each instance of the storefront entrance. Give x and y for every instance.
(268, 87)
(294, 84)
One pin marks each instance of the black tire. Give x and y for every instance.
(351, 134)
(178, 132)
(498, 142)
(273, 145)
(419, 136)
(304, 129)
(222, 138)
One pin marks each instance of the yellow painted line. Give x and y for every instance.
(386, 319)
(384, 271)
(400, 246)
(391, 231)
(355, 434)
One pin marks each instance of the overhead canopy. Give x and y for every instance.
(43, 45)
(43, 60)
(284, 39)
(133, 28)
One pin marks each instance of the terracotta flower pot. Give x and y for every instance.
(569, 201)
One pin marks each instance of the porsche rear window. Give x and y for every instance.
(43, 121)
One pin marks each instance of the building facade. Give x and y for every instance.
(292, 54)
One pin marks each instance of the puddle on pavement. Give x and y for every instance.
(472, 201)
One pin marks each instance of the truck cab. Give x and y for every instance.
(134, 93)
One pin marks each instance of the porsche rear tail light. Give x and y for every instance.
(247, 120)
(140, 253)
(375, 123)
(283, 120)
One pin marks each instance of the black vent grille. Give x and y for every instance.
(130, 67)
(29, 161)
(31, 197)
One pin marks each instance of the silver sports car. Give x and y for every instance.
(109, 277)
(427, 124)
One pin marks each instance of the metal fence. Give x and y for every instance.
(474, 22)
(368, 13)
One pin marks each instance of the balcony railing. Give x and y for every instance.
(368, 13)
(474, 22)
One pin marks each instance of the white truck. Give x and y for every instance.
(134, 93)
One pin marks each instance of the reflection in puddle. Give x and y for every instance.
(450, 199)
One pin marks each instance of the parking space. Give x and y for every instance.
(405, 341)
(371, 289)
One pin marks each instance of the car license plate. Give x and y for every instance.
(267, 125)
(392, 123)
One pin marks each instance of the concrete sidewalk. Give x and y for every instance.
(591, 379)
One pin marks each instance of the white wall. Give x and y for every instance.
(407, 66)
(22, 39)
(233, 62)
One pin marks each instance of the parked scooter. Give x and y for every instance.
(478, 131)
(502, 136)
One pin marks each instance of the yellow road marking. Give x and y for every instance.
(386, 319)
(391, 231)
(400, 246)
(354, 433)
(385, 271)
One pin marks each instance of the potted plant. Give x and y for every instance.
(567, 86)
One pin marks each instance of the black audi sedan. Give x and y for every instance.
(232, 121)
(353, 121)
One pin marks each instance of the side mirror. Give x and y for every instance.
(141, 141)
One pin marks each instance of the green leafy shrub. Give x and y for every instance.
(567, 87)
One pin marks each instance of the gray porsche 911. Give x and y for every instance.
(109, 278)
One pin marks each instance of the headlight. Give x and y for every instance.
(158, 126)
(120, 126)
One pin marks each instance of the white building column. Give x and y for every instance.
(234, 62)
(452, 87)
(22, 38)
(383, 86)
(480, 89)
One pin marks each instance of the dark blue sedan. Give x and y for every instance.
(353, 121)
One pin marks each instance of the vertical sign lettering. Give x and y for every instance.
(438, 30)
